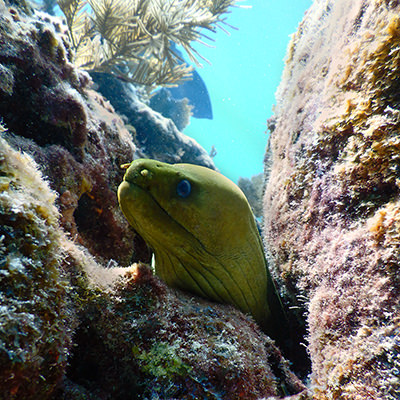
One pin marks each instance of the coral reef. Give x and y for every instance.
(135, 38)
(156, 136)
(253, 188)
(332, 208)
(152, 342)
(75, 324)
(74, 134)
(35, 325)
(178, 111)
(70, 130)
(137, 340)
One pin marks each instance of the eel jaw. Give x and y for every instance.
(126, 193)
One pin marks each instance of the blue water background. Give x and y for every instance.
(242, 80)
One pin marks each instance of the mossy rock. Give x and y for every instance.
(34, 337)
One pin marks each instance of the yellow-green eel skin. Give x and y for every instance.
(203, 234)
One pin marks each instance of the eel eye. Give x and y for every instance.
(183, 188)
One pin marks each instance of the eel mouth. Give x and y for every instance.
(140, 207)
(129, 194)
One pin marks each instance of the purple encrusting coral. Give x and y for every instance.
(332, 208)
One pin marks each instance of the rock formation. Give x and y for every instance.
(331, 206)
(76, 320)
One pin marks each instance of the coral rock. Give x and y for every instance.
(133, 336)
(145, 340)
(71, 131)
(71, 328)
(332, 208)
(156, 136)
(35, 323)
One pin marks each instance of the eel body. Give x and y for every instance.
(202, 232)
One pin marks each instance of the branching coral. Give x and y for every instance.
(134, 38)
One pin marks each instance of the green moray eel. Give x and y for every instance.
(202, 232)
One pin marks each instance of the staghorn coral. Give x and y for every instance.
(133, 38)
(332, 221)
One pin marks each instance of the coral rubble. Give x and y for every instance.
(332, 207)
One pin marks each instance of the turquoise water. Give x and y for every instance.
(242, 80)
